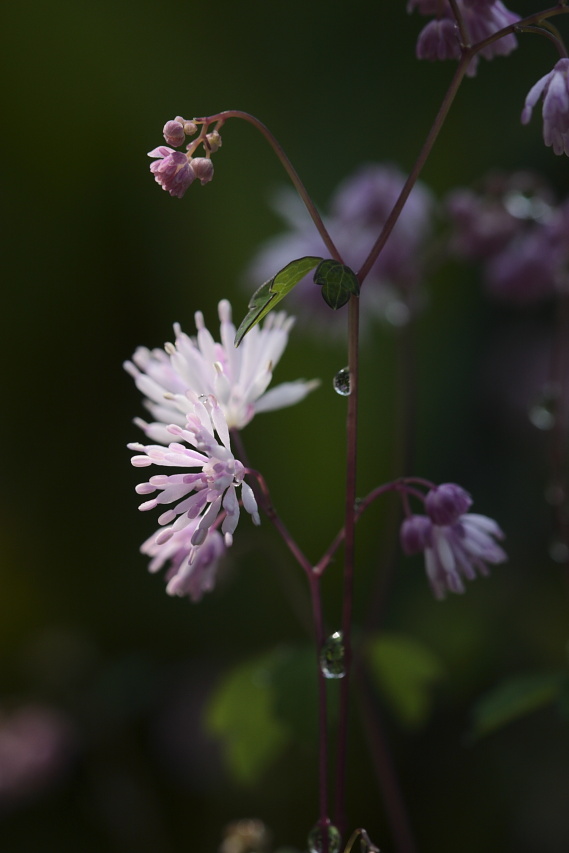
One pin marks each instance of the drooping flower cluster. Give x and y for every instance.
(358, 210)
(516, 231)
(555, 90)
(171, 378)
(481, 19)
(457, 544)
(199, 502)
(174, 170)
(197, 389)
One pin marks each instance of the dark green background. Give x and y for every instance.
(98, 260)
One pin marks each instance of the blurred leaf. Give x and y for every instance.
(295, 686)
(337, 281)
(271, 292)
(405, 672)
(240, 713)
(515, 698)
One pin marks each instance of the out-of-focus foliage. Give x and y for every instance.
(406, 673)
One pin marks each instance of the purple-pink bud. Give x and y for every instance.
(446, 503)
(213, 141)
(415, 534)
(172, 171)
(174, 133)
(203, 169)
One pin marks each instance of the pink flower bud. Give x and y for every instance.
(202, 168)
(214, 141)
(172, 170)
(415, 534)
(174, 133)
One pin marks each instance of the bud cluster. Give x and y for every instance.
(176, 170)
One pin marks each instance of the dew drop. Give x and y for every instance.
(542, 417)
(341, 382)
(559, 551)
(543, 413)
(332, 657)
(317, 835)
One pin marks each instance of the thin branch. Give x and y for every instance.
(287, 165)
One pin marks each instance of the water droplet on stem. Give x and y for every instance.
(341, 382)
(318, 834)
(332, 656)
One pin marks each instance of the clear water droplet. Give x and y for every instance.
(559, 551)
(341, 382)
(317, 835)
(332, 656)
(543, 414)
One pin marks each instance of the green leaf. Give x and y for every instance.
(515, 698)
(240, 714)
(338, 282)
(405, 672)
(271, 292)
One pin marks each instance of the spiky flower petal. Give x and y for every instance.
(172, 379)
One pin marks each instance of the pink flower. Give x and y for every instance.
(172, 170)
(439, 39)
(481, 19)
(208, 495)
(555, 90)
(191, 570)
(453, 552)
(172, 378)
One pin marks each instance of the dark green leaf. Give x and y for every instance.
(515, 698)
(405, 672)
(240, 714)
(338, 282)
(271, 292)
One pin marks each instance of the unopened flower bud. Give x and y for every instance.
(415, 534)
(174, 133)
(446, 503)
(213, 141)
(202, 168)
(190, 127)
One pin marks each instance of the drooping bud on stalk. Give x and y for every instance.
(213, 141)
(202, 168)
(174, 133)
(415, 534)
(446, 503)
